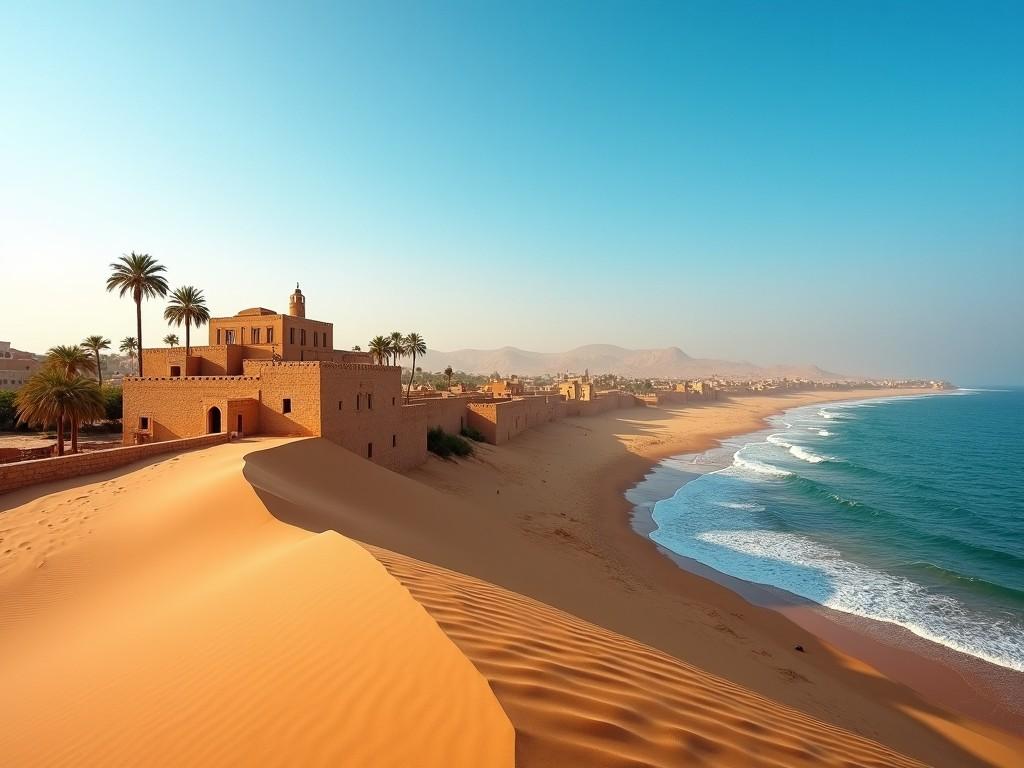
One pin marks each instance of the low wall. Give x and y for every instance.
(606, 401)
(25, 473)
(8, 455)
(501, 420)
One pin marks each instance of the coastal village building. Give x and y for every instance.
(504, 387)
(16, 367)
(279, 374)
(578, 389)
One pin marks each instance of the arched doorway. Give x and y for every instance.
(213, 421)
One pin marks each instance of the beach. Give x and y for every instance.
(210, 599)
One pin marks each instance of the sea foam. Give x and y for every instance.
(805, 455)
(758, 467)
(817, 572)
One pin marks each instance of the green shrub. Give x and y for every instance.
(8, 411)
(444, 445)
(473, 434)
(113, 402)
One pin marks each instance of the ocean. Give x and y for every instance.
(906, 510)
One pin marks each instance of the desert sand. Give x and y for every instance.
(163, 617)
(214, 608)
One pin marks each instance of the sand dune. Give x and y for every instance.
(164, 618)
(580, 695)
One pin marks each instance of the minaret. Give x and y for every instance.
(297, 303)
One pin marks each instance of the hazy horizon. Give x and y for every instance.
(791, 183)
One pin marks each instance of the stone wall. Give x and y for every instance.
(175, 408)
(25, 473)
(448, 413)
(501, 420)
(362, 410)
(604, 402)
(223, 360)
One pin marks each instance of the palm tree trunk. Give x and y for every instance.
(74, 434)
(188, 343)
(60, 434)
(138, 324)
(412, 376)
(99, 369)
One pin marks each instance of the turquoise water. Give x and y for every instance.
(906, 510)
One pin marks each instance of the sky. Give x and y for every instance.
(780, 182)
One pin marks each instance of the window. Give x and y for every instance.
(270, 335)
(369, 401)
(369, 450)
(359, 401)
(218, 335)
(144, 422)
(339, 405)
(316, 338)
(291, 335)
(175, 370)
(302, 337)
(254, 335)
(392, 401)
(394, 441)
(286, 405)
(229, 336)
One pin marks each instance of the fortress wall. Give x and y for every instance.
(25, 473)
(362, 407)
(178, 407)
(448, 413)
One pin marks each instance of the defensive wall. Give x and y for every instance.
(25, 473)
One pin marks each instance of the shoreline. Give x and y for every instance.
(958, 680)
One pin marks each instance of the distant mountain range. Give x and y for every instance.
(670, 362)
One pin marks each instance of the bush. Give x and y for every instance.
(8, 411)
(113, 402)
(444, 445)
(473, 434)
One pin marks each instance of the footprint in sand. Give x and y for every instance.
(791, 675)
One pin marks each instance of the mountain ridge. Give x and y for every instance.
(666, 362)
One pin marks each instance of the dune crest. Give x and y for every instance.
(182, 625)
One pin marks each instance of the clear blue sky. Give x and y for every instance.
(836, 183)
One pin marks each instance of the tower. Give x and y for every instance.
(297, 303)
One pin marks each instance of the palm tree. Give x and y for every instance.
(449, 372)
(130, 347)
(188, 306)
(72, 360)
(52, 396)
(397, 346)
(380, 348)
(171, 339)
(413, 344)
(95, 344)
(138, 273)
